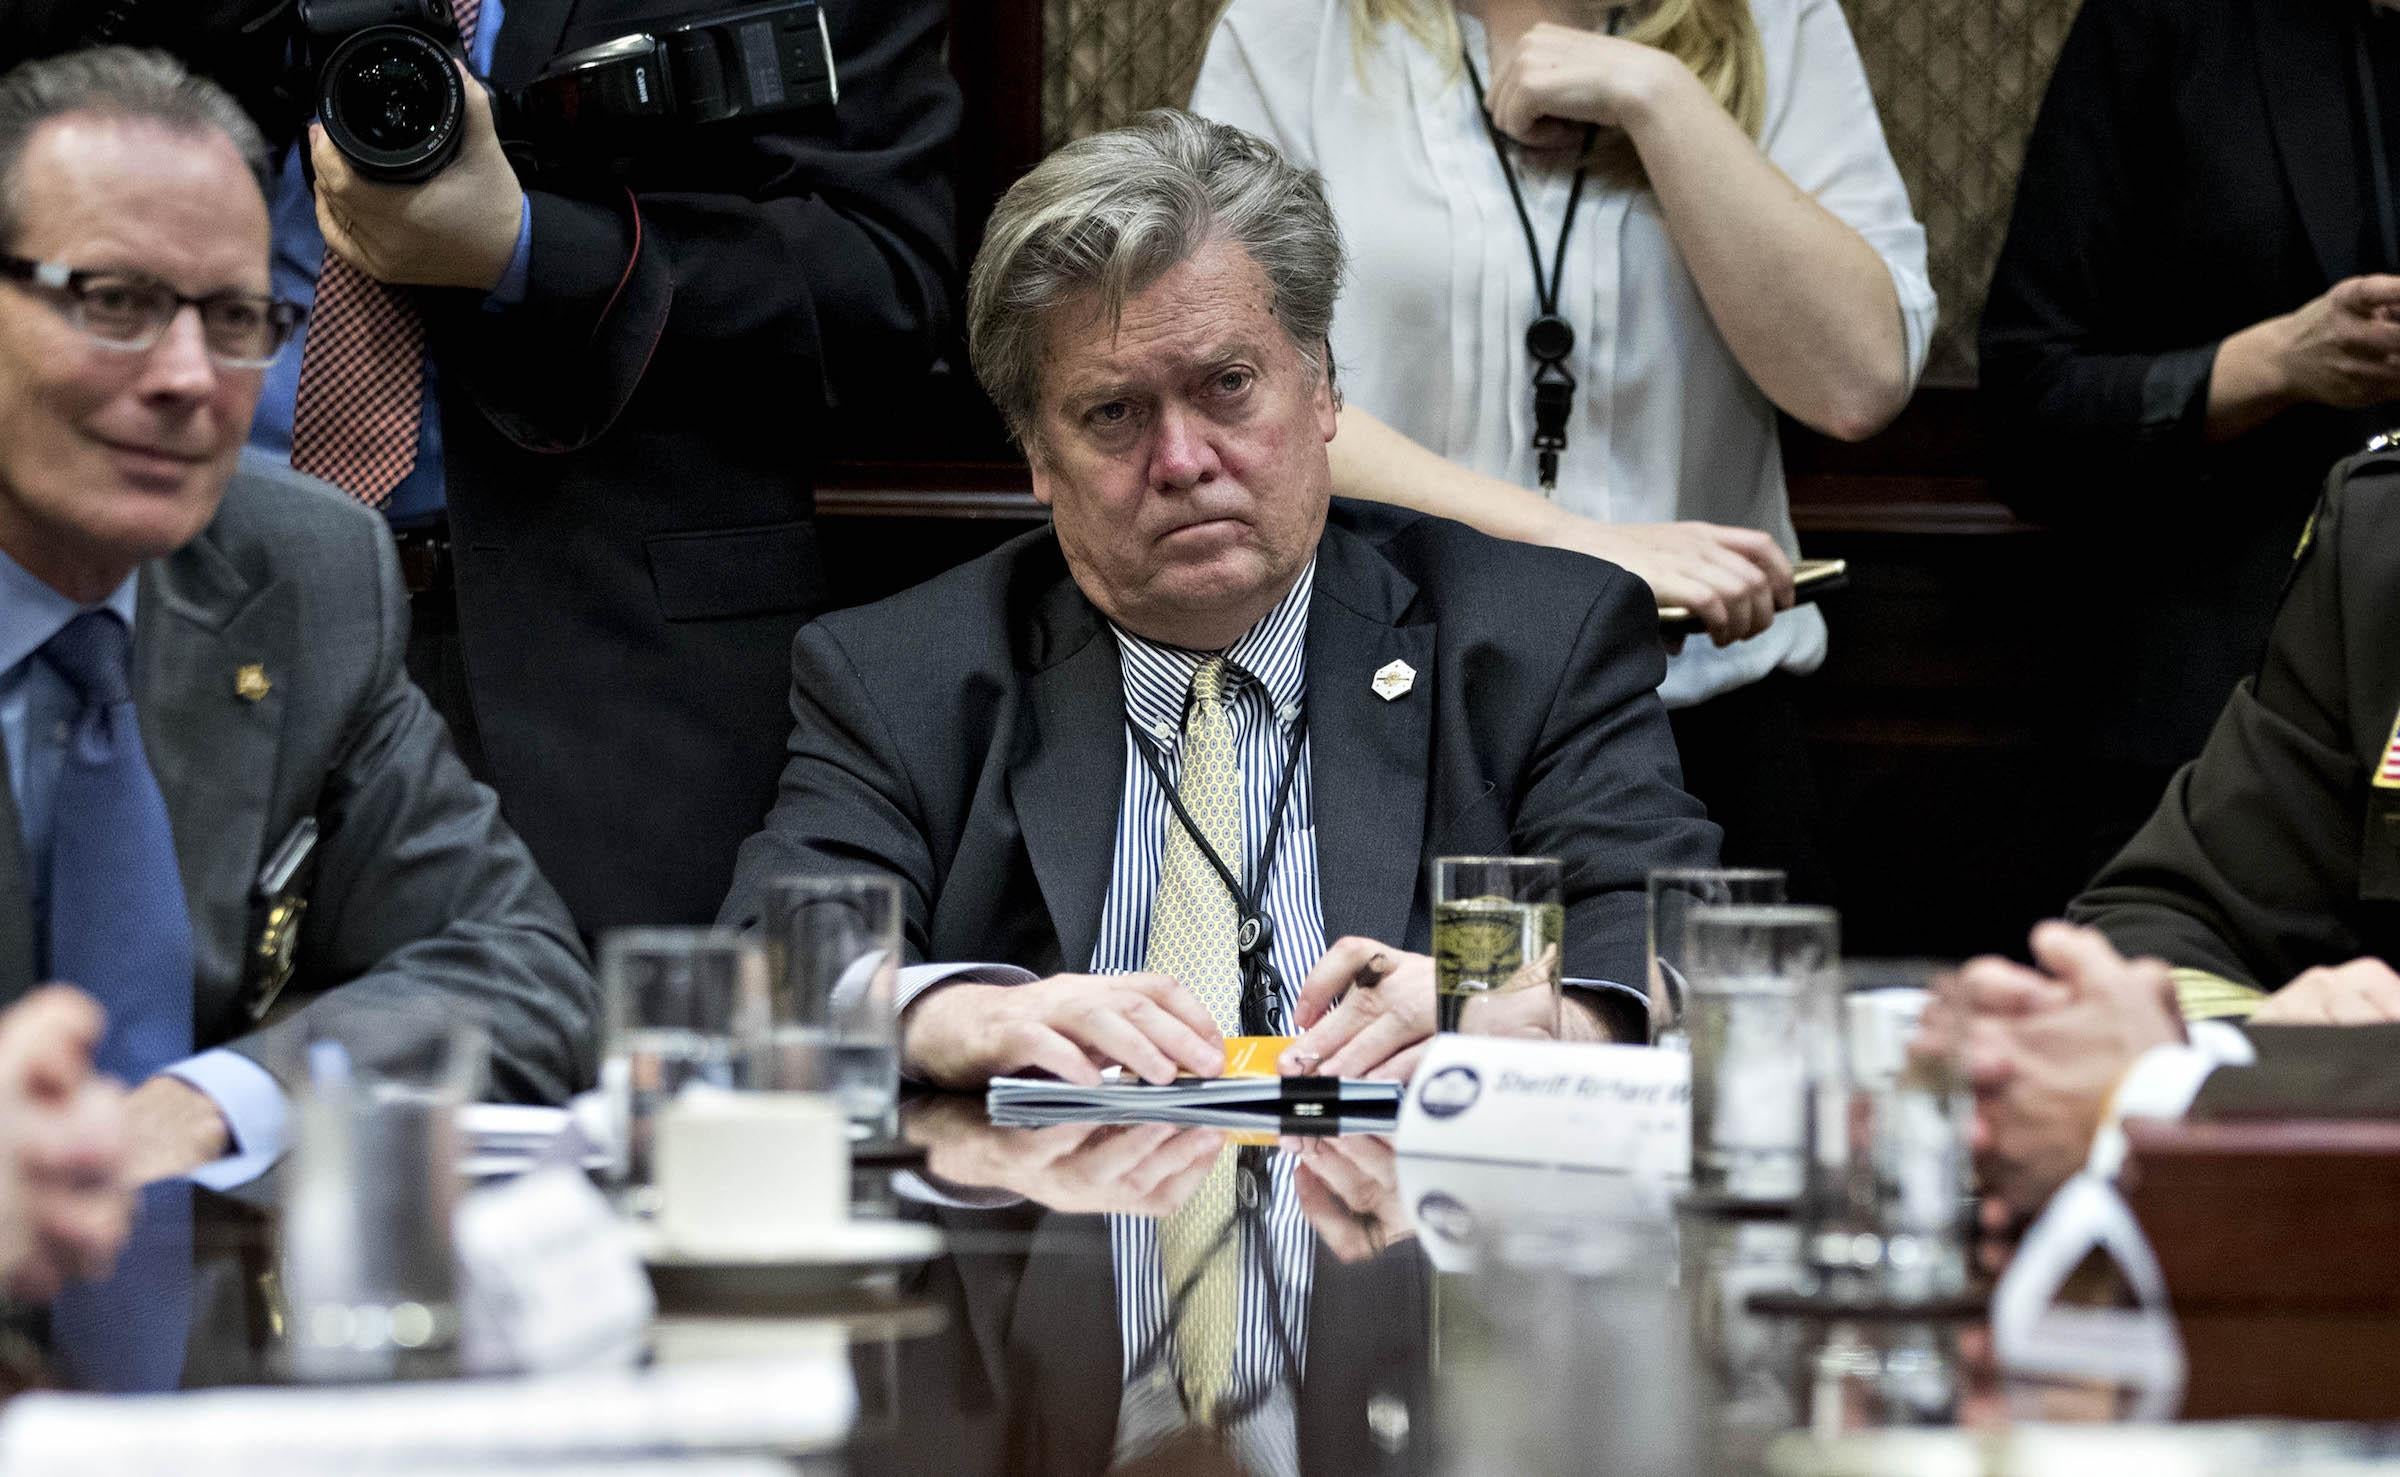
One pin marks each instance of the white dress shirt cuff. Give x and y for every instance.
(910, 1185)
(257, 1114)
(916, 979)
(2164, 1082)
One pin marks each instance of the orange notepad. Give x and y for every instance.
(1254, 1056)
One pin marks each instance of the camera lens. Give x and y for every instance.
(392, 102)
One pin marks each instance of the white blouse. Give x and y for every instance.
(1431, 335)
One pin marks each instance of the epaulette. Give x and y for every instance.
(2380, 454)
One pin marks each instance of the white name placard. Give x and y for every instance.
(1626, 1108)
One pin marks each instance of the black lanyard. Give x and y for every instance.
(1550, 338)
(1262, 986)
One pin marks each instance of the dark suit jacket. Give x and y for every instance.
(2275, 851)
(967, 737)
(629, 452)
(2194, 170)
(1031, 1372)
(423, 903)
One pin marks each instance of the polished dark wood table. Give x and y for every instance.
(1456, 1318)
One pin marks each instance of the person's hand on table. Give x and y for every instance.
(1069, 1025)
(1146, 1169)
(2364, 992)
(1349, 1189)
(2045, 1050)
(66, 1201)
(1366, 1010)
(173, 1128)
(1527, 1009)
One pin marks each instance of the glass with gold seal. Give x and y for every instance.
(1497, 931)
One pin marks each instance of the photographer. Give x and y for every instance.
(597, 464)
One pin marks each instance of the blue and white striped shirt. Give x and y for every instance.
(1276, 1269)
(1264, 691)
(1264, 688)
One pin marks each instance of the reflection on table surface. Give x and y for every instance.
(1342, 1310)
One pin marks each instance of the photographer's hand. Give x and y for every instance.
(457, 229)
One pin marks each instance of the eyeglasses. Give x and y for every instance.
(130, 312)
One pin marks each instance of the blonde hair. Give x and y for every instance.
(1716, 39)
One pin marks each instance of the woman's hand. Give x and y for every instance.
(1732, 579)
(1556, 79)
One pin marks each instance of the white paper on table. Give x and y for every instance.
(744, 1466)
(510, 1138)
(550, 1278)
(793, 1405)
(1589, 1106)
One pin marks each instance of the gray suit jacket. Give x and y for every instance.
(423, 902)
(967, 737)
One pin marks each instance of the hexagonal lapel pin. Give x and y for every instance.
(250, 682)
(1394, 679)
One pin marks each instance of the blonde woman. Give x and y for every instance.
(1634, 233)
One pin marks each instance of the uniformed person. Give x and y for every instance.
(2273, 860)
(2265, 885)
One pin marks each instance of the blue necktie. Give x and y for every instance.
(118, 927)
(128, 1333)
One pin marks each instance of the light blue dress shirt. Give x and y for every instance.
(36, 707)
(300, 251)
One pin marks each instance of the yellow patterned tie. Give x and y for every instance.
(1199, 1249)
(1193, 920)
(1192, 929)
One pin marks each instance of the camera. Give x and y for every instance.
(389, 93)
(383, 77)
(388, 88)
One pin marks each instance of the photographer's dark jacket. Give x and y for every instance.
(2198, 166)
(628, 452)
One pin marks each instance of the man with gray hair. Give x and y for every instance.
(1147, 762)
(220, 780)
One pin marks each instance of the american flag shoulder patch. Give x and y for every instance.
(2387, 771)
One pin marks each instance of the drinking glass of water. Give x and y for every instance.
(1674, 892)
(1887, 1212)
(1497, 931)
(687, 1007)
(833, 947)
(367, 1260)
(1756, 975)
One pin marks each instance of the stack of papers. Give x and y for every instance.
(1294, 1104)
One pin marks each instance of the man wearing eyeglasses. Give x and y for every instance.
(221, 782)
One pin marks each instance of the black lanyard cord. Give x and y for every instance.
(1545, 289)
(1550, 338)
(1262, 985)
